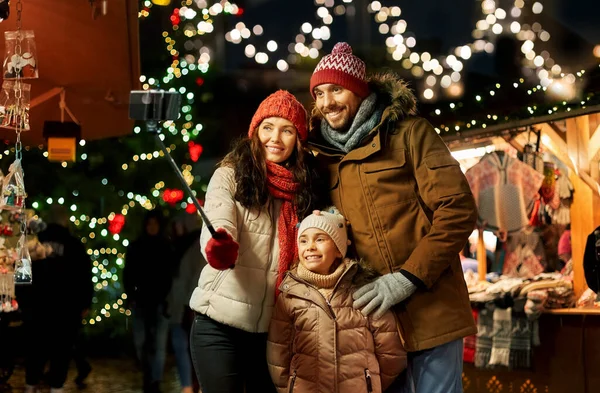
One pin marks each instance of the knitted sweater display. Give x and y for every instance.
(525, 256)
(504, 190)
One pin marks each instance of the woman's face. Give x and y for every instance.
(278, 137)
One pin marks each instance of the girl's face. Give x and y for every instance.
(278, 136)
(317, 251)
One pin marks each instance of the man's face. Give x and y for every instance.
(337, 105)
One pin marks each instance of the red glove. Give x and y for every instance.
(222, 252)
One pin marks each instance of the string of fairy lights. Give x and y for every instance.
(441, 74)
(196, 20)
(109, 259)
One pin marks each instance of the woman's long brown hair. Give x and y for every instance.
(247, 158)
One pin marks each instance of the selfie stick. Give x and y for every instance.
(152, 127)
(152, 106)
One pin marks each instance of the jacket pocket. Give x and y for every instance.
(292, 382)
(368, 380)
(389, 179)
(396, 161)
(444, 177)
(440, 161)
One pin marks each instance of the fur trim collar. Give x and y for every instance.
(399, 99)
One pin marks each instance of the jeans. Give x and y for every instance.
(180, 340)
(150, 331)
(435, 370)
(229, 360)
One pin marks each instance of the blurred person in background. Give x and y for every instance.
(147, 279)
(189, 262)
(61, 294)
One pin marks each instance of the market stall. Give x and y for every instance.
(536, 185)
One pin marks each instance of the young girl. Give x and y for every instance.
(254, 199)
(317, 341)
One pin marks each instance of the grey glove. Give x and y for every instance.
(383, 293)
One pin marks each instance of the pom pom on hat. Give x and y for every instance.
(341, 68)
(281, 104)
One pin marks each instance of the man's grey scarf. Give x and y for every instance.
(367, 117)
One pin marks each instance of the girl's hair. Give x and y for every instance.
(247, 158)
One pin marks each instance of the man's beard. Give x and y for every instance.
(344, 123)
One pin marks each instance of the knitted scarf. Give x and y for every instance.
(367, 117)
(281, 185)
(323, 282)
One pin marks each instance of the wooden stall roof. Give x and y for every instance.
(94, 61)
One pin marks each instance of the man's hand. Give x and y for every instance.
(383, 293)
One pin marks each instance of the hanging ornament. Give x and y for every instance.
(13, 188)
(7, 281)
(14, 110)
(116, 223)
(195, 150)
(23, 273)
(175, 18)
(191, 208)
(20, 55)
(161, 2)
(172, 196)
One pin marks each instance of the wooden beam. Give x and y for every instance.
(45, 96)
(517, 124)
(481, 256)
(557, 146)
(582, 208)
(594, 145)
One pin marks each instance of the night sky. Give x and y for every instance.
(439, 24)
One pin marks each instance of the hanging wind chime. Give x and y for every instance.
(20, 63)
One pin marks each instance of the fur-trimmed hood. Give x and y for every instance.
(399, 100)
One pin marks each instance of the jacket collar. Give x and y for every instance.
(400, 103)
(295, 286)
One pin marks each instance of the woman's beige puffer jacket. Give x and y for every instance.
(319, 345)
(242, 297)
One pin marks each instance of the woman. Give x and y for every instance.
(254, 199)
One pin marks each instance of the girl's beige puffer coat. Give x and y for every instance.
(319, 345)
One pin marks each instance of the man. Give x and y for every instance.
(410, 209)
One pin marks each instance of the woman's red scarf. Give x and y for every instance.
(282, 186)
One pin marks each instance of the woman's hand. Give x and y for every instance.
(222, 251)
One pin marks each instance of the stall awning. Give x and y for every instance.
(89, 59)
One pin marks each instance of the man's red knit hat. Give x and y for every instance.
(281, 104)
(341, 68)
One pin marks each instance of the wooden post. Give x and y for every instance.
(594, 157)
(582, 217)
(481, 256)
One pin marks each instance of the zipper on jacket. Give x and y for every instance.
(291, 389)
(368, 379)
